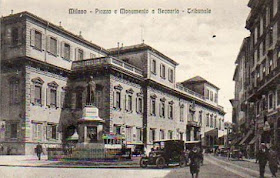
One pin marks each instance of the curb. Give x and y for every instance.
(51, 166)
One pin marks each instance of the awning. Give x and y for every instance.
(246, 137)
(253, 140)
(235, 141)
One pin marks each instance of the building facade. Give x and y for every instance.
(45, 71)
(257, 76)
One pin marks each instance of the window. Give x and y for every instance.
(79, 100)
(170, 111)
(38, 94)
(162, 109)
(264, 70)
(139, 105)
(153, 106)
(129, 102)
(118, 100)
(37, 131)
(220, 124)
(52, 131)
(128, 133)
(170, 75)
(162, 135)
(211, 95)
(215, 122)
(14, 130)
(207, 94)
(270, 65)
(181, 135)
(53, 97)
(117, 129)
(15, 36)
(264, 48)
(216, 98)
(270, 101)
(38, 40)
(152, 135)
(207, 120)
(270, 36)
(139, 134)
(53, 46)
(200, 117)
(278, 96)
(170, 134)
(66, 51)
(182, 113)
(211, 121)
(92, 55)
(14, 92)
(258, 108)
(154, 66)
(80, 54)
(162, 71)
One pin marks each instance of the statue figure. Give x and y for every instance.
(90, 91)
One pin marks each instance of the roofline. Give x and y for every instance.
(56, 27)
(204, 81)
(140, 48)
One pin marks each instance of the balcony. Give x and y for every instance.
(193, 124)
(89, 63)
(188, 91)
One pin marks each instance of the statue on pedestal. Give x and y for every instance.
(90, 91)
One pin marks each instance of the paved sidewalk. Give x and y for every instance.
(32, 161)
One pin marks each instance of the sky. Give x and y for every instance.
(185, 37)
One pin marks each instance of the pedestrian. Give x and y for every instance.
(195, 161)
(262, 158)
(39, 150)
(273, 161)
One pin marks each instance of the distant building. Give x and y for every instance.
(45, 72)
(256, 102)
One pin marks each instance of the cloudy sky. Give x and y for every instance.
(186, 38)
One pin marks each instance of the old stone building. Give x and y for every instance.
(257, 100)
(45, 72)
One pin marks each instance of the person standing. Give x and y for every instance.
(262, 158)
(273, 161)
(195, 160)
(39, 150)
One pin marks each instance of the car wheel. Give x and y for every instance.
(143, 163)
(182, 162)
(160, 162)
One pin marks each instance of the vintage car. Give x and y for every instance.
(164, 153)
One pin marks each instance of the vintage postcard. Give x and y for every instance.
(130, 88)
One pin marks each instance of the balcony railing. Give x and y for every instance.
(186, 90)
(106, 61)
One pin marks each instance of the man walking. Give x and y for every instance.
(263, 158)
(39, 150)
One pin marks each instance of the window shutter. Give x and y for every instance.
(9, 36)
(32, 94)
(62, 98)
(44, 42)
(57, 47)
(160, 111)
(48, 97)
(57, 99)
(48, 39)
(61, 49)
(73, 100)
(32, 37)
